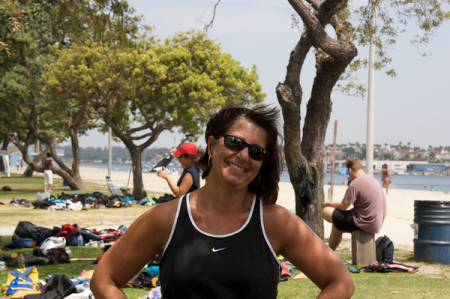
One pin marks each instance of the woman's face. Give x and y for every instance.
(183, 161)
(238, 168)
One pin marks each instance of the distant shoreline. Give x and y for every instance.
(409, 182)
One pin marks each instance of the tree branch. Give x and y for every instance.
(316, 29)
(210, 24)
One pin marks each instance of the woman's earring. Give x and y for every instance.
(256, 184)
(210, 161)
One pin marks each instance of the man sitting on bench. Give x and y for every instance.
(369, 205)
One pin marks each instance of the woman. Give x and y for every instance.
(190, 178)
(222, 240)
(385, 177)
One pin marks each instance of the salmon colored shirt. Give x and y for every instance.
(369, 203)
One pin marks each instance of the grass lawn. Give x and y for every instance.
(432, 281)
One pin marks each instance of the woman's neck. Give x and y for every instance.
(226, 198)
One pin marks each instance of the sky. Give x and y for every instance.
(413, 107)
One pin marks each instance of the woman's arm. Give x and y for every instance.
(144, 239)
(184, 187)
(292, 238)
(186, 184)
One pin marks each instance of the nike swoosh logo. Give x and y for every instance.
(219, 249)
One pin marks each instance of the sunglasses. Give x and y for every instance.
(237, 144)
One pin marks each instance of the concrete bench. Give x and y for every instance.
(363, 248)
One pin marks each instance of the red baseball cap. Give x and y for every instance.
(187, 148)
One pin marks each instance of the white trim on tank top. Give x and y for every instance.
(220, 236)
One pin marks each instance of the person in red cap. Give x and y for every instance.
(189, 180)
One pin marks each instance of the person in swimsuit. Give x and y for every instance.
(222, 240)
(385, 177)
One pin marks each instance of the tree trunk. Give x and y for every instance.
(73, 180)
(136, 160)
(311, 153)
(135, 151)
(314, 130)
(307, 149)
(71, 175)
(28, 173)
(5, 142)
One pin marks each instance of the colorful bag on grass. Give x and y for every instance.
(21, 279)
(68, 230)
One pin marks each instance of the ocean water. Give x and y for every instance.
(411, 182)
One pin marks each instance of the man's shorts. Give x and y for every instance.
(48, 177)
(343, 220)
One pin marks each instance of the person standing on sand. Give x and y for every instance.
(369, 205)
(385, 177)
(48, 173)
(222, 240)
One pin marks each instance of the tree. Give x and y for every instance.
(330, 34)
(46, 25)
(142, 91)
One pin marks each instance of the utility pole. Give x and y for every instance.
(371, 91)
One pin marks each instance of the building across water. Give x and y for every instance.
(401, 167)
(442, 169)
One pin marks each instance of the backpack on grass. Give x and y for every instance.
(384, 250)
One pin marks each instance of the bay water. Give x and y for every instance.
(410, 182)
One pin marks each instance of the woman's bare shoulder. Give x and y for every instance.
(280, 219)
(275, 212)
(161, 215)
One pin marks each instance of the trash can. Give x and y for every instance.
(432, 231)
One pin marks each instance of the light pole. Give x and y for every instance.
(371, 92)
(109, 151)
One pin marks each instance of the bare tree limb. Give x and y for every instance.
(210, 24)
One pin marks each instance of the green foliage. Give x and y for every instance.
(47, 27)
(154, 86)
(394, 17)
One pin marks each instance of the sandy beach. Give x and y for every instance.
(400, 203)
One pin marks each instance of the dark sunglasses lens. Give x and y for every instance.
(236, 144)
(256, 152)
(233, 143)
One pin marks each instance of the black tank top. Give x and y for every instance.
(195, 172)
(196, 264)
